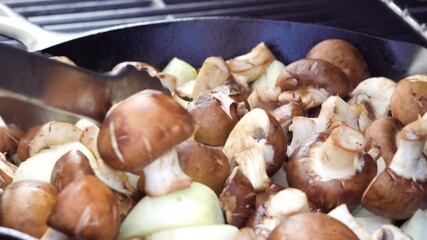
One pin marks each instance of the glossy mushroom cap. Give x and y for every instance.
(141, 128)
(204, 164)
(399, 190)
(382, 136)
(308, 226)
(332, 169)
(408, 99)
(312, 80)
(86, 209)
(345, 56)
(70, 167)
(26, 206)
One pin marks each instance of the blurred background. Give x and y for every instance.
(398, 19)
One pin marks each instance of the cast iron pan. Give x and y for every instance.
(193, 40)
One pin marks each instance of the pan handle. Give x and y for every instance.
(32, 36)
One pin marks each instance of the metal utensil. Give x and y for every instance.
(67, 87)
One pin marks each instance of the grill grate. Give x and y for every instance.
(366, 16)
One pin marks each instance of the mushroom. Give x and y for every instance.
(344, 55)
(263, 196)
(331, 168)
(279, 206)
(204, 164)
(247, 68)
(26, 206)
(72, 166)
(399, 190)
(342, 214)
(286, 112)
(369, 220)
(45, 136)
(382, 137)
(246, 233)
(165, 175)
(215, 113)
(264, 98)
(307, 226)
(7, 170)
(238, 199)
(140, 129)
(366, 92)
(312, 81)
(409, 99)
(213, 73)
(258, 145)
(415, 226)
(334, 110)
(9, 137)
(86, 209)
(193, 206)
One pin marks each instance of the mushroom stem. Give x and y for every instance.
(339, 154)
(409, 160)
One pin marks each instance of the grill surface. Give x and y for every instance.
(367, 16)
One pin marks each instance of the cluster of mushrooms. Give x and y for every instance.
(243, 149)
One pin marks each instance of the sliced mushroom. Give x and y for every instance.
(382, 137)
(72, 166)
(86, 209)
(249, 67)
(399, 190)
(26, 206)
(286, 112)
(165, 175)
(204, 164)
(46, 135)
(258, 145)
(307, 226)
(312, 81)
(213, 73)
(140, 129)
(368, 91)
(409, 99)
(344, 55)
(332, 169)
(264, 98)
(238, 199)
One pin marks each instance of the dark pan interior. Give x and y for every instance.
(193, 40)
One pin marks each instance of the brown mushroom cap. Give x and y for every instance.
(238, 199)
(7, 171)
(409, 99)
(381, 135)
(141, 128)
(204, 164)
(308, 226)
(314, 169)
(86, 209)
(400, 204)
(216, 116)
(70, 167)
(345, 56)
(316, 73)
(26, 205)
